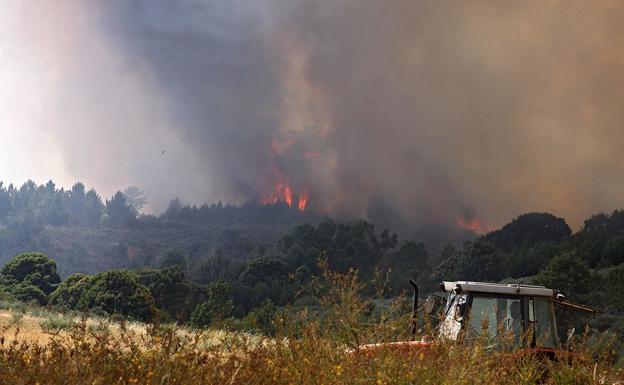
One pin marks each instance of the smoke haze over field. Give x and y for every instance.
(433, 111)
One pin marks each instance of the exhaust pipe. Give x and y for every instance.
(414, 307)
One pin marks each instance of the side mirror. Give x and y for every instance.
(431, 304)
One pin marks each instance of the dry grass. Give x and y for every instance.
(309, 349)
(167, 356)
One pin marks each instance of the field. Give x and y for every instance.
(43, 347)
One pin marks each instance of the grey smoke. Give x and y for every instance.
(437, 110)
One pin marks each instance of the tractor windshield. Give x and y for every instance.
(494, 317)
(542, 329)
(512, 318)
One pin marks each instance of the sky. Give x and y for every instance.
(427, 113)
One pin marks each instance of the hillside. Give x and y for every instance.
(88, 249)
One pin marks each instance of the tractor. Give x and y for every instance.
(465, 311)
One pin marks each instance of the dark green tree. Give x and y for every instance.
(173, 258)
(477, 261)
(33, 269)
(70, 291)
(264, 269)
(118, 292)
(568, 274)
(528, 230)
(215, 309)
(171, 291)
(119, 212)
(410, 261)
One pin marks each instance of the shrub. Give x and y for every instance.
(33, 269)
(118, 291)
(69, 291)
(216, 308)
(28, 293)
(56, 323)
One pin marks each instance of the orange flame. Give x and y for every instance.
(287, 194)
(303, 202)
(283, 192)
(475, 225)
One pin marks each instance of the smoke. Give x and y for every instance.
(436, 113)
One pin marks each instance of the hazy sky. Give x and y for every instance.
(433, 110)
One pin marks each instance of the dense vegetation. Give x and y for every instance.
(203, 266)
(86, 234)
(310, 348)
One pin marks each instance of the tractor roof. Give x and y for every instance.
(498, 288)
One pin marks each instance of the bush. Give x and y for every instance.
(56, 323)
(69, 292)
(28, 293)
(215, 309)
(118, 291)
(32, 269)
(262, 318)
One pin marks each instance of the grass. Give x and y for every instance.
(84, 355)
(309, 348)
(56, 323)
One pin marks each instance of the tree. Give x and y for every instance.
(170, 289)
(5, 202)
(70, 291)
(33, 269)
(264, 269)
(410, 261)
(119, 211)
(613, 252)
(216, 308)
(529, 230)
(478, 261)
(567, 273)
(93, 208)
(118, 292)
(135, 198)
(173, 258)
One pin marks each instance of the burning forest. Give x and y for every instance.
(296, 178)
(430, 110)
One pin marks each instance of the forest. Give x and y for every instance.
(238, 266)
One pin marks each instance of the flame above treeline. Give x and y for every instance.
(474, 225)
(284, 192)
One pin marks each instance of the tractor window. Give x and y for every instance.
(541, 319)
(494, 317)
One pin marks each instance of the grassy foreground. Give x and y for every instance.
(85, 355)
(309, 348)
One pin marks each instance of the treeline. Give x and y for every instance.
(48, 205)
(143, 294)
(87, 233)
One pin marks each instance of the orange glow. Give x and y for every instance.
(287, 195)
(284, 192)
(475, 225)
(303, 202)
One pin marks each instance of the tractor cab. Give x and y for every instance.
(523, 314)
(477, 309)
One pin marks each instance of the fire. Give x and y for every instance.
(288, 195)
(475, 225)
(303, 202)
(283, 192)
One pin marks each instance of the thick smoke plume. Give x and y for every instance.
(426, 112)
